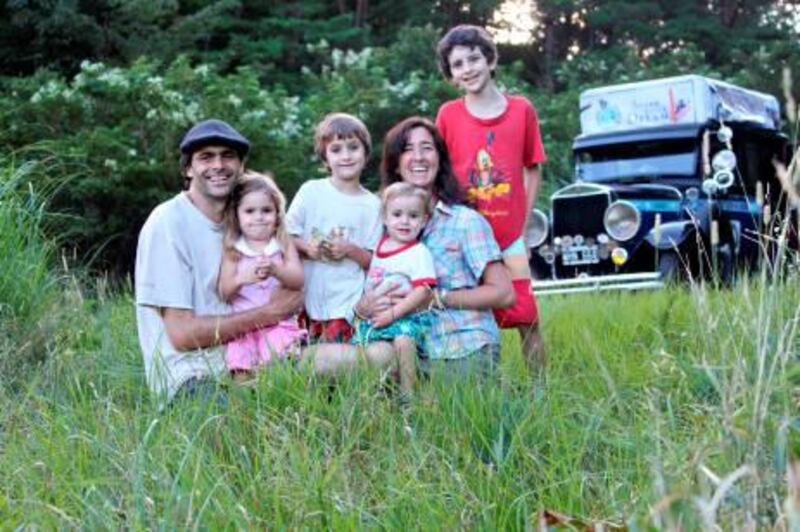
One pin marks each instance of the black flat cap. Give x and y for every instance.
(214, 131)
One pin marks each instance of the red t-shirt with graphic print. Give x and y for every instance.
(488, 157)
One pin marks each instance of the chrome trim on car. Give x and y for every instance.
(600, 283)
(581, 189)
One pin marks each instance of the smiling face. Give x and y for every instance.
(404, 217)
(258, 216)
(213, 171)
(345, 157)
(419, 162)
(470, 69)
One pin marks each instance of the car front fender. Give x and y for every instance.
(671, 234)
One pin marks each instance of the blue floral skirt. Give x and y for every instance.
(415, 326)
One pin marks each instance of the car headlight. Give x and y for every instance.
(724, 134)
(724, 179)
(724, 160)
(537, 228)
(622, 220)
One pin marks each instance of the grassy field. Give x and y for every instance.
(675, 409)
(651, 401)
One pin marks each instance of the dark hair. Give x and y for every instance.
(445, 185)
(464, 35)
(340, 125)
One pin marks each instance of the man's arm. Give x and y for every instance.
(187, 331)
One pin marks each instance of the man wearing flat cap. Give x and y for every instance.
(181, 320)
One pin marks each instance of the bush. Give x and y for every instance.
(116, 130)
(120, 129)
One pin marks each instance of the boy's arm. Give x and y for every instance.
(296, 226)
(309, 250)
(290, 272)
(340, 248)
(187, 331)
(532, 177)
(533, 158)
(361, 256)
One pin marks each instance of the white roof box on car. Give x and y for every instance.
(679, 100)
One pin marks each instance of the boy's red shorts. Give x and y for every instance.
(337, 330)
(524, 311)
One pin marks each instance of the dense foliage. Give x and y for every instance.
(108, 87)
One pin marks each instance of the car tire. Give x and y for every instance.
(726, 265)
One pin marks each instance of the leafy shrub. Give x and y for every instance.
(117, 129)
(122, 127)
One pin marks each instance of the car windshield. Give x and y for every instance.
(638, 160)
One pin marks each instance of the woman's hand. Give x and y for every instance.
(383, 318)
(373, 303)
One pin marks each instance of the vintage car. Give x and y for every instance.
(673, 177)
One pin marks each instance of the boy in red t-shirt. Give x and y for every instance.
(495, 147)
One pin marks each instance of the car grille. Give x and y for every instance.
(579, 215)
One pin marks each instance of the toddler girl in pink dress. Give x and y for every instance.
(259, 258)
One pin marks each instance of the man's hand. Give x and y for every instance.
(285, 303)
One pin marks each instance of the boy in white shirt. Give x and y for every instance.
(335, 223)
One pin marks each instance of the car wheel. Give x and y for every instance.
(669, 266)
(726, 266)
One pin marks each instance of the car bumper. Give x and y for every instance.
(600, 283)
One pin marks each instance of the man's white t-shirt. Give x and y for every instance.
(318, 210)
(177, 266)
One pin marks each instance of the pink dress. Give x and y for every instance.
(261, 346)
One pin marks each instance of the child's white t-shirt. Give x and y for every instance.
(319, 209)
(407, 267)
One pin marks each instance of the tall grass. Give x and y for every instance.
(28, 290)
(674, 409)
